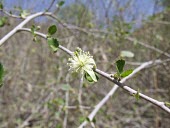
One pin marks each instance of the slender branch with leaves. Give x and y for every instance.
(83, 64)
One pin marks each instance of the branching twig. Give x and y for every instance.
(148, 46)
(11, 15)
(107, 76)
(113, 90)
(128, 89)
(52, 2)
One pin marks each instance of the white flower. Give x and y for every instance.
(82, 62)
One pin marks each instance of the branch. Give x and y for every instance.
(126, 88)
(80, 94)
(113, 90)
(107, 76)
(73, 27)
(11, 33)
(52, 2)
(148, 46)
(66, 110)
(11, 15)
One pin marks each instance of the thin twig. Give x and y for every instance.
(52, 2)
(80, 94)
(126, 88)
(11, 15)
(66, 110)
(113, 90)
(148, 46)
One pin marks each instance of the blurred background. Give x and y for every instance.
(37, 82)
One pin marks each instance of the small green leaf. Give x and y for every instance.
(1, 6)
(52, 29)
(82, 119)
(90, 76)
(58, 101)
(127, 54)
(32, 28)
(53, 43)
(24, 14)
(120, 65)
(3, 21)
(1, 74)
(94, 120)
(58, 126)
(66, 87)
(137, 96)
(126, 73)
(61, 3)
(87, 119)
(167, 104)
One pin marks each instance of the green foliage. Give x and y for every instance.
(1, 6)
(61, 3)
(121, 28)
(1, 74)
(127, 54)
(53, 43)
(52, 30)
(67, 13)
(167, 104)
(58, 126)
(3, 21)
(93, 120)
(136, 95)
(120, 65)
(82, 119)
(91, 76)
(33, 29)
(126, 73)
(51, 104)
(24, 13)
(120, 70)
(66, 87)
(90, 79)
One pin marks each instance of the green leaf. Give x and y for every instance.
(137, 96)
(127, 54)
(58, 126)
(33, 29)
(58, 101)
(61, 3)
(90, 76)
(94, 120)
(1, 6)
(88, 119)
(82, 119)
(1, 74)
(126, 73)
(167, 104)
(3, 21)
(120, 65)
(52, 29)
(53, 43)
(66, 87)
(24, 13)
